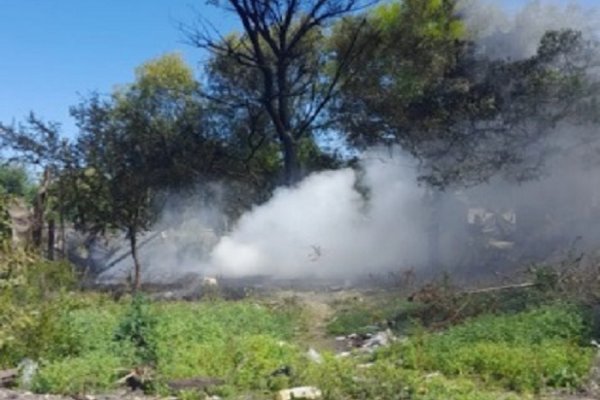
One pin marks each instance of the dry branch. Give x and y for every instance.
(499, 288)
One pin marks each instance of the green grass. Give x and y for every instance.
(367, 315)
(242, 342)
(85, 343)
(524, 352)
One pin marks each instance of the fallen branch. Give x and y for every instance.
(499, 288)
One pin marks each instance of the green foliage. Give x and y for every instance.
(523, 352)
(169, 73)
(344, 378)
(14, 181)
(364, 317)
(352, 321)
(5, 222)
(33, 302)
(88, 341)
(137, 327)
(419, 82)
(242, 342)
(95, 339)
(92, 371)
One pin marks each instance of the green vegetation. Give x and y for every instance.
(372, 314)
(523, 352)
(242, 343)
(303, 87)
(14, 181)
(86, 342)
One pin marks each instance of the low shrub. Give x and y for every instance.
(94, 371)
(523, 352)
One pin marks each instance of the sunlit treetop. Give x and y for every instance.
(168, 72)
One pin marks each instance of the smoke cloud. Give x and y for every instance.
(325, 227)
(348, 223)
(502, 33)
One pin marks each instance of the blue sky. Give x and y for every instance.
(55, 51)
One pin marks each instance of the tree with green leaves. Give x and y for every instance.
(424, 86)
(38, 144)
(466, 118)
(281, 59)
(15, 181)
(145, 139)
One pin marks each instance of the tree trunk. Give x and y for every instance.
(51, 238)
(38, 210)
(290, 160)
(38, 221)
(62, 236)
(434, 203)
(137, 281)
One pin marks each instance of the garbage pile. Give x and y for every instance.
(365, 342)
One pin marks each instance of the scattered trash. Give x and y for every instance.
(302, 392)
(380, 339)
(314, 356)
(209, 281)
(28, 369)
(365, 366)
(432, 375)
(367, 342)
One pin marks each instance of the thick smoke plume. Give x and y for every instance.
(328, 227)
(348, 223)
(515, 34)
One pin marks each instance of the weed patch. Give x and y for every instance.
(523, 352)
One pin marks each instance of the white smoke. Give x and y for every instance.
(502, 34)
(324, 227)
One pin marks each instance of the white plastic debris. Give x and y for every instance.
(28, 369)
(314, 356)
(301, 392)
(209, 281)
(365, 366)
(380, 339)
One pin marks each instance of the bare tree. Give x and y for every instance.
(282, 41)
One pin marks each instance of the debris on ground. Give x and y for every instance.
(8, 377)
(366, 342)
(29, 369)
(302, 392)
(314, 356)
(210, 281)
(137, 378)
